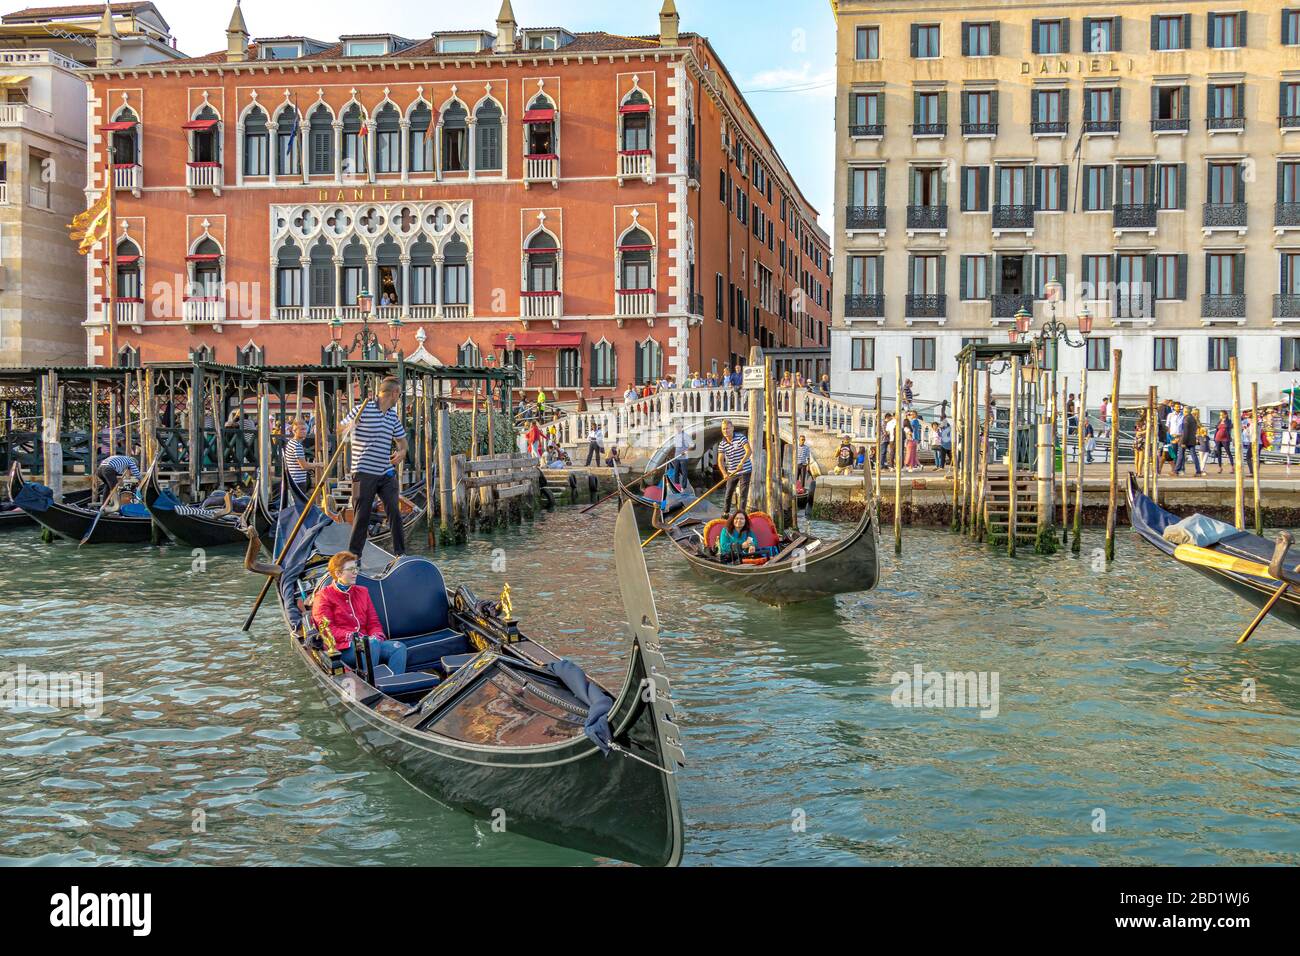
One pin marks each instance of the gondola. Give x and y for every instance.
(12, 517)
(263, 519)
(184, 524)
(804, 568)
(488, 720)
(74, 520)
(1149, 521)
(652, 499)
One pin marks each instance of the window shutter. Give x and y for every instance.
(965, 192)
(1149, 279)
(1155, 32)
(1241, 28)
(982, 188)
(1281, 181)
(943, 190)
(1087, 106)
(916, 108)
(913, 180)
(1063, 187)
(1108, 187)
(943, 107)
(1152, 171)
(1207, 273)
(1065, 106)
(965, 38)
(1117, 34)
(1240, 103)
(1116, 111)
(915, 35)
(965, 106)
(1037, 185)
(1182, 185)
(943, 268)
(996, 285)
(1187, 101)
(1155, 102)
(1033, 28)
(994, 96)
(997, 187)
(1240, 172)
(1060, 269)
(1087, 35)
(964, 268)
(1187, 31)
(1239, 274)
(911, 273)
(995, 38)
(1065, 36)
(880, 195)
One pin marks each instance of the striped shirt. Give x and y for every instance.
(372, 439)
(804, 455)
(293, 453)
(732, 451)
(121, 464)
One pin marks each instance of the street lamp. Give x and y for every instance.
(395, 332)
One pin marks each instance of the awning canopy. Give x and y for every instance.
(118, 127)
(203, 257)
(200, 124)
(636, 248)
(14, 79)
(635, 108)
(542, 340)
(539, 116)
(127, 260)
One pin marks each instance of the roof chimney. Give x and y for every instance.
(237, 37)
(668, 24)
(108, 46)
(506, 26)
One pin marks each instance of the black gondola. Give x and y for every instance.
(263, 519)
(1149, 520)
(805, 569)
(74, 520)
(484, 721)
(184, 524)
(652, 499)
(13, 517)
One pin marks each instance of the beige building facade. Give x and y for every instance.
(1145, 156)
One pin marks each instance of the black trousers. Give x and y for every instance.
(737, 482)
(364, 489)
(108, 478)
(593, 451)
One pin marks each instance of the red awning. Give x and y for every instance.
(127, 260)
(541, 250)
(542, 340)
(635, 108)
(204, 257)
(539, 116)
(118, 127)
(636, 248)
(199, 124)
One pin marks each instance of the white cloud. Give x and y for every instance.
(795, 81)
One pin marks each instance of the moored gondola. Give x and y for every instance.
(197, 527)
(801, 567)
(73, 520)
(263, 520)
(1149, 521)
(13, 517)
(488, 720)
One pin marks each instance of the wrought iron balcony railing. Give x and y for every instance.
(1013, 217)
(927, 217)
(867, 129)
(1131, 305)
(1226, 215)
(1287, 214)
(1219, 123)
(926, 306)
(1135, 216)
(1170, 124)
(929, 129)
(1006, 305)
(864, 217)
(979, 129)
(1223, 306)
(1049, 127)
(864, 306)
(1288, 122)
(1286, 306)
(1100, 126)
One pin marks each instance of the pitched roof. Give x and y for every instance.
(83, 10)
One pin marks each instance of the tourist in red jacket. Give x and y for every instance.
(351, 615)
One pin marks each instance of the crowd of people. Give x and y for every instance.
(1181, 436)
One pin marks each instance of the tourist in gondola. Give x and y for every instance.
(349, 615)
(735, 461)
(112, 469)
(295, 457)
(378, 450)
(737, 540)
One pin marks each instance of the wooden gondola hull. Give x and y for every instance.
(1149, 521)
(196, 531)
(73, 523)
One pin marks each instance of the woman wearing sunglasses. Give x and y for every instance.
(351, 615)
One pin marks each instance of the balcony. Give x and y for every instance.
(693, 171)
(203, 176)
(929, 129)
(1005, 306)
(1225, 124)
(1223, 306)
(288, 313)
(1132, 306)
(1013, 217)
(1288, 122)
(127, 311)
(423, 311)
(864, 217)
(697, 304)
(209, 310)
(867, 131)
(1229, 216)
(1135, 216)
(926, 306)
(1049, 127)
(864, 306)
(455, 310)
(127, 176)
(1170, 124)
(979, 129)
(1286, 306)
(1101, 127)
(634, 304)
(1286, 215)
(636, 163)
(927, 217)
(541, 305)
(542, 169)
(387, 313)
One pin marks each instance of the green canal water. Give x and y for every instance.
(1120, 693)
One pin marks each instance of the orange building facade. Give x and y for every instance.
(599, 210)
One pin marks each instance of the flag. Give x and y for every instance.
(91, 226)
(293, 134)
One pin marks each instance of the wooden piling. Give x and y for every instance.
(444, 469)
(1011, 457)
(427, 424)
(1254, 455)
(880, 433)
(960, 509)
(1157, 452)
(1113, 504)
(1082, 418)
(898, 454)
(1065, 459)
(983, 435)
(1238, 495)
(94, 434)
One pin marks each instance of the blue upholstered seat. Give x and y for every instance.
(410, 598)
(454, 662)
(409, 683)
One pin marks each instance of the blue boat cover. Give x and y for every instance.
(34, 497)
(597, 701)
(295, 559)
(133, 511)
(165, 502)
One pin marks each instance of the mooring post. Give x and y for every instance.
(1112, 506)
(263, 437)
(1254, 455)
(757, 422)
(427, 428)
(53, 436)
(1080, 454)
(1011, 457)
(880, 433)
(957, 429)
(445, 505)
(1238, 480)
(898, 454)
(1064, 418)
(1046, 541)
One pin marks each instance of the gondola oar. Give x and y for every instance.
(104, 504)
(1191, 554)
(1275, 570)
(681, 514)
(306, 508)
(614, 493)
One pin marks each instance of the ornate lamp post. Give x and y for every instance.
(366, 340)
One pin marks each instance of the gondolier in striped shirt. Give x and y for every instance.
(112, 469)
(295, 457)
(735, 461)
(803, 460)
(378, 450)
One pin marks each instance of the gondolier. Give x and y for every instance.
(295, 457)
(378, 449)
(112, 469)
(736, 462)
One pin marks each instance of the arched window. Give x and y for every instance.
(257, 143)
(455, 139)
(635, 255)
(543, 263)
(288, 277)
(128, 272)
(487, 137)
(604, 370)
(353, 279)
(250, 354)
(205, 262)
(539, 121)
(288, 146)
(205, 141)
(388, 140)
(128, 357)
(421, 159)
(469, 356)
(322, 275)
(423, 291)
(320, 142)
(389, 259)
(455, 273)
(354, 144)
(204, 353)
(126, 143)
(635, 113)
(649, 362)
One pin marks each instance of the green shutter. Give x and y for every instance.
(1063, 184)
(1117, 34)
(1207, 273)
(965, 39)
(1155, 32)
(1087, 35)
(995, 38)
(1065, 36)
(1241, 29)
(1239, 274)
(943, 282)
(965, 106)
(1187, 31)
(1087, 106)
(994, 96)
(1108, 187)
(1187, 101)
(1152, 171)
(965, 193)
(943, 106)
(1033, 28)
(1155, 102)
(915, 32)
(1241, 99)
(964, 268)
(911, 273)
(1281, 181)
(913, 178)
(943, 190)
(1116, 110)
(1036, 185)
(1065, 106)
(1182, 185)
(916, 108)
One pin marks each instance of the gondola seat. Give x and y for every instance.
(454, 662)
(765, 536)
(713, 531)
(412, 682)
(411, 601)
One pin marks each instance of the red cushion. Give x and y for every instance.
(764, 529)
(712, 531)
(653, 493)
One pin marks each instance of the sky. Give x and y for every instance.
(780, 52)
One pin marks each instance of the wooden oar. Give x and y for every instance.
(1191, 554)
(597, 504)
(681, 514)
(306, 508)
(1280, 549)
(104, 504)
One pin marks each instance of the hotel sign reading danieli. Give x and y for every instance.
(1093, 64)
